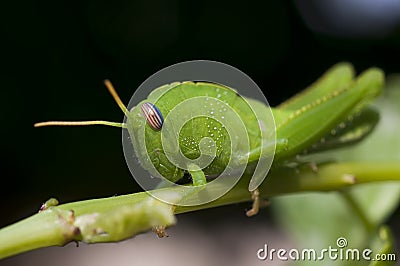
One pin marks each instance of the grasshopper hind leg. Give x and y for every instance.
(279, 146)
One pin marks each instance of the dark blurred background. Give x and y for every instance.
(55, 55)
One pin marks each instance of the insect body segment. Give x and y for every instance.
(317, 119)
(205, 130)
(153, 115)
(196, 116)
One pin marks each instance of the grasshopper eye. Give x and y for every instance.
(153, 115)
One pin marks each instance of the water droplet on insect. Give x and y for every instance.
(219, 96)
(217, 89)
(215, 128)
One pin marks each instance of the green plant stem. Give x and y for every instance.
(120, 217)
(354, 205)
(328, 177)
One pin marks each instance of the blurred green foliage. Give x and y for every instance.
(355, 214)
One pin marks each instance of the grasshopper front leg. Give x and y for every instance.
(198, 177)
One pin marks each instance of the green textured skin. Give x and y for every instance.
(321, 112)
(195, 129)
(310, 116)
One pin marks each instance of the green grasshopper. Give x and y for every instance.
(331, 113)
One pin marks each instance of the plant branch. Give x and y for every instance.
(120, 217)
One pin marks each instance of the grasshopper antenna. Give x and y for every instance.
(115, 96)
